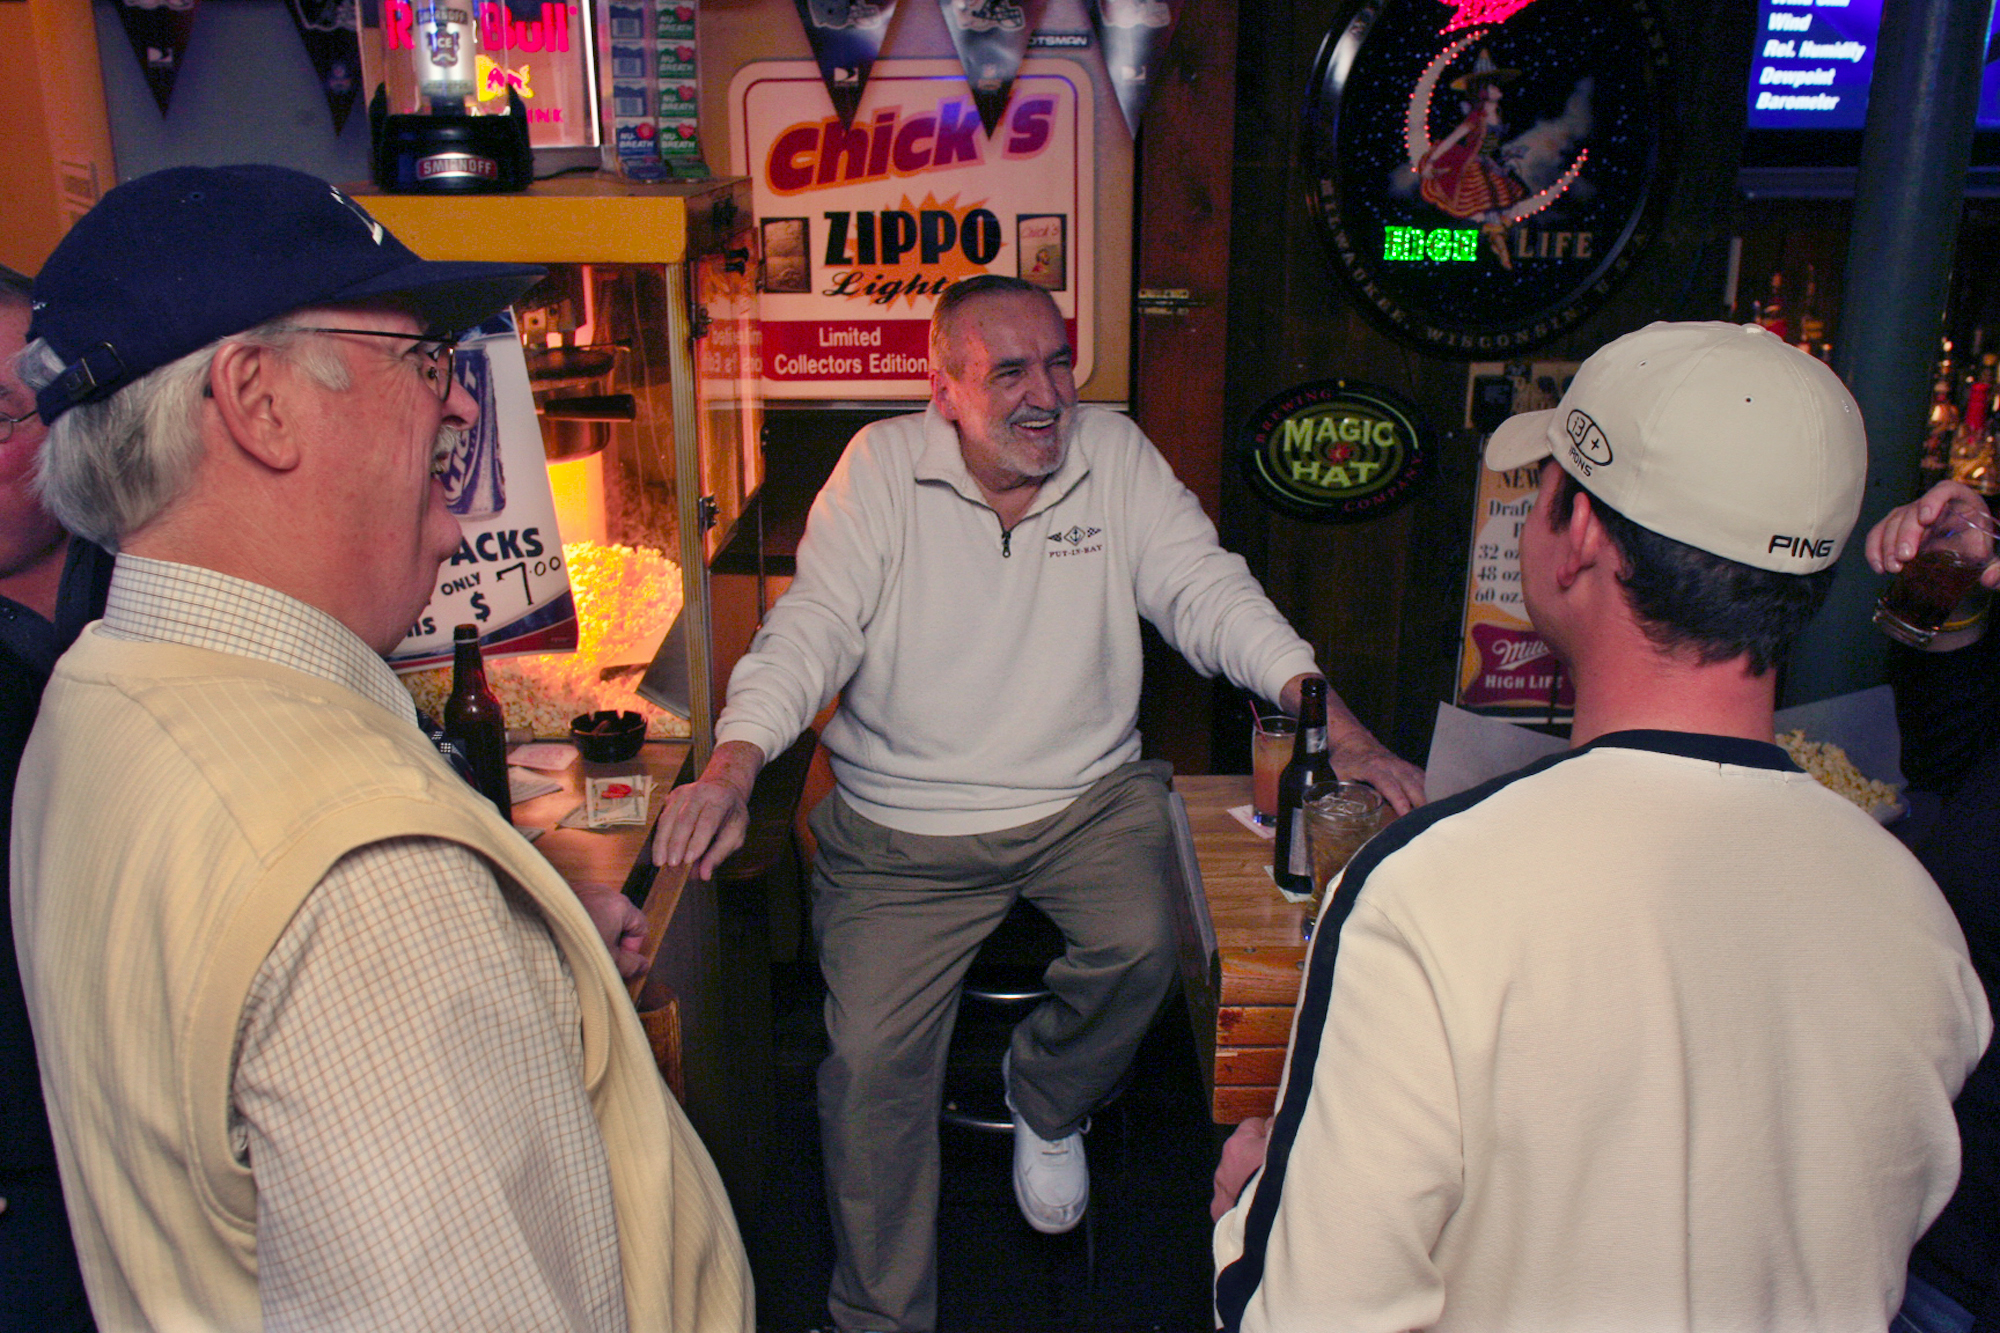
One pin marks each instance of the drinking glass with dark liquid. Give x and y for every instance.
(1955, 550)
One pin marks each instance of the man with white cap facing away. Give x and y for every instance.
(1658, 1033)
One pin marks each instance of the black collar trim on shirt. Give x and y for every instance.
(1698, 745)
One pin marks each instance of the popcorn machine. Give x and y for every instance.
(641, 355)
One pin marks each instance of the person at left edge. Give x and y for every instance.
(326, 1044)
(50, 586)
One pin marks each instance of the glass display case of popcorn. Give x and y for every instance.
(638, 356)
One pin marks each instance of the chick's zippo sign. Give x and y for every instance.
(865, 224)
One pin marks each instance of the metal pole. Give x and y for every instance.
(1907, 197)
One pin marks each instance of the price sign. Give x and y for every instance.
(507, 576)
(1504, 666)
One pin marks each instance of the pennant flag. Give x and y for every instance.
(1134, 34)
(846, 37)
(327, 27)
(991, 37)
(159, 31)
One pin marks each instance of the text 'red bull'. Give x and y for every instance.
(499, 30)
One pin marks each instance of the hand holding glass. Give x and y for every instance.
(1954, 551)
(1340, 816)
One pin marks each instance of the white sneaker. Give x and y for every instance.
(1051, 1180)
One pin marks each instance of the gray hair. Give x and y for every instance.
(108, 468)
(944, 348)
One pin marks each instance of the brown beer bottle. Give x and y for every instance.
(473, 720)
(1291, 861)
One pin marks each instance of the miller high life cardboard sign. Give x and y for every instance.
(1505, 668)
(866, 223)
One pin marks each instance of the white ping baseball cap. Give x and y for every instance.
(1717, 435)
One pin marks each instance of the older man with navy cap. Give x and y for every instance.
(1659, 1034)
(326, 1044)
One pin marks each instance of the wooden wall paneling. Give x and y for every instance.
(1182, 245)
(1250, 1067)
(1380, 600)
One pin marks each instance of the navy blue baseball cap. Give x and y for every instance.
(166, 264)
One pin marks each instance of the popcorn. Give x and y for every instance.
(625, 599)
(1830, 765)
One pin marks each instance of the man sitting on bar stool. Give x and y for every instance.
(1657, 1034)
(327, 1044)
(970, 583)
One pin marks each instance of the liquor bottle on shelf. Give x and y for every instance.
(475, 722)
(1971, 445)
(1771, 312)
(1291, 860)
(1968, 375)
(445, 54)
(1986, 467)
(1936, 460)
(1812, 326)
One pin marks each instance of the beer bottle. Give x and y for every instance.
(1291, 862)
(1771, 312)
(473, 720)
(1812, 327)
(1971, 461)
(1936, 460)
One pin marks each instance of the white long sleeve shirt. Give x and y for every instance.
(991, 677)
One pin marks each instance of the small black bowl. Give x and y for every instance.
(607, 737)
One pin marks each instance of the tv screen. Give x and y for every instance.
(1813, 60)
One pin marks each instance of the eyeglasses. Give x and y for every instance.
(436, 355)
(8, 423)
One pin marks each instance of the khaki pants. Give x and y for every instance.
(898, 917)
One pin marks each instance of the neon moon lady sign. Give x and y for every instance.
(1485, 171)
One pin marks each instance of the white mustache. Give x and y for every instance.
(443, 448)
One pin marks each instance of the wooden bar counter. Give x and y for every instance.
(674, 990)
(705, 997)
(1241, 949)
(683, 991)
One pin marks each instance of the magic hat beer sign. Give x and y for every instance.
(1333, 451)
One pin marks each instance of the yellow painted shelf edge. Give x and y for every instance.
(586, 221)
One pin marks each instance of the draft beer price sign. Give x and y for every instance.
(865, 224)
(1505, 668)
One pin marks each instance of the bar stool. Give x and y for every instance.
(1002, 985)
